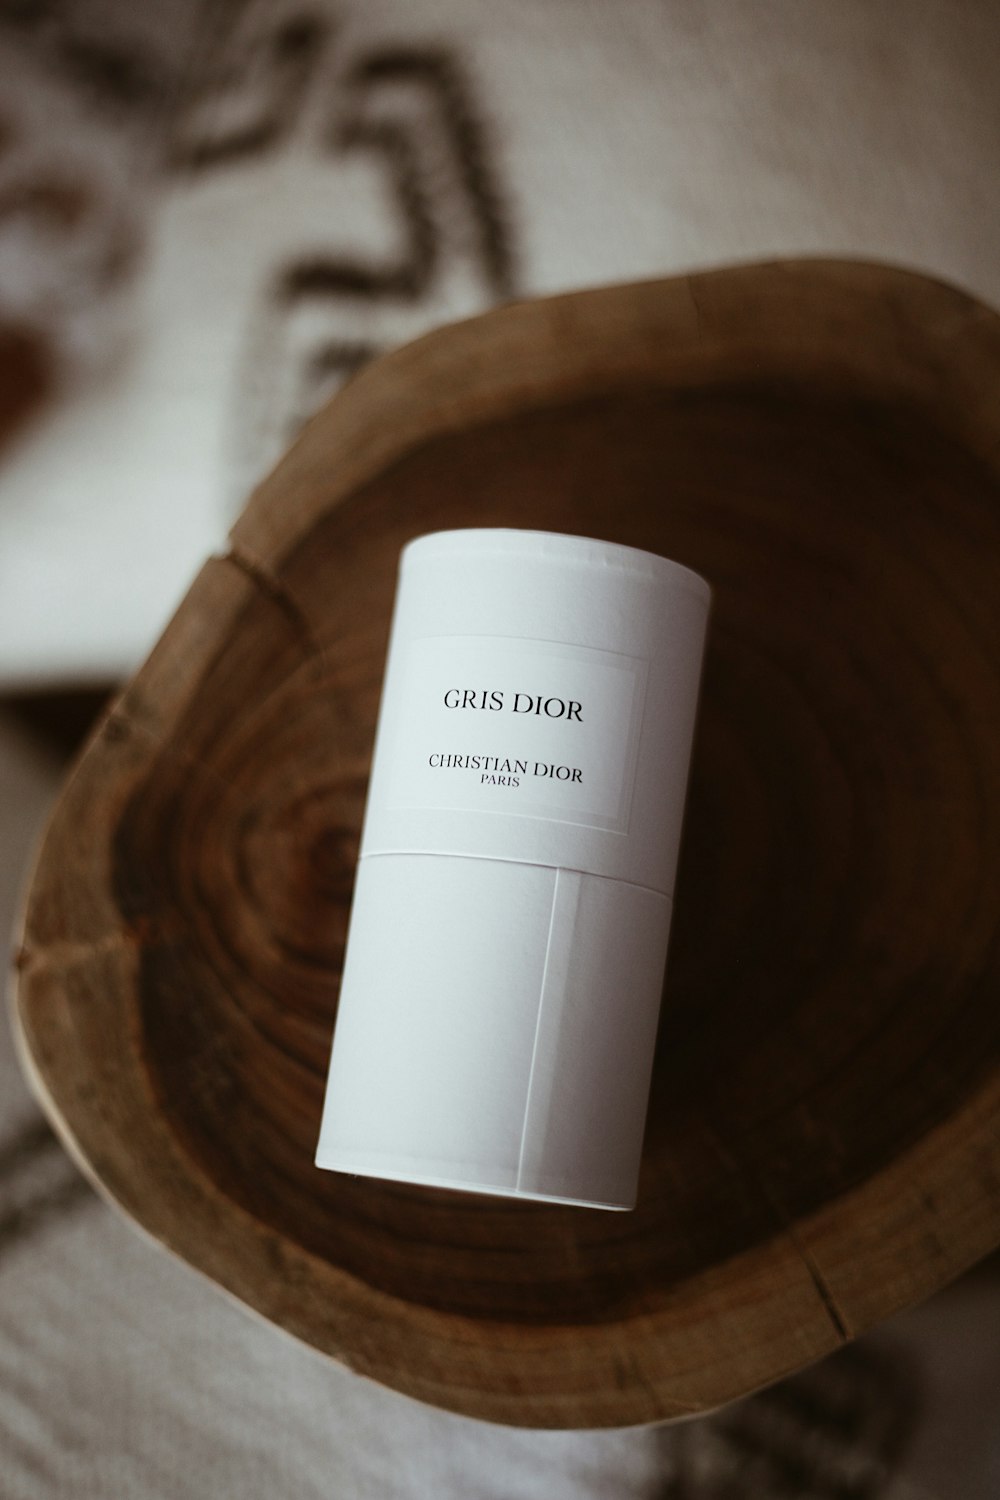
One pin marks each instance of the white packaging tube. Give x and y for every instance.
(508, 936)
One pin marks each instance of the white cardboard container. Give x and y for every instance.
(508, 937)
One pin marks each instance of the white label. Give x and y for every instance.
(531, 728)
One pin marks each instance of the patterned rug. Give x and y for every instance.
(212, 212)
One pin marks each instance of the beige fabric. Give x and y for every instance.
(273, 190)
(413, 162)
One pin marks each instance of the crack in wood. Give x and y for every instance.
(275, 593)
(783, 1223)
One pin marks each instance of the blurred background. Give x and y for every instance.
(212, 212)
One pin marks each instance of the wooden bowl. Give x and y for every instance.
(822, 441)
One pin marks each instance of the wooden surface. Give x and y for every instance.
(822, 442)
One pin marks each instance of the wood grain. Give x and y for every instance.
(822, 441)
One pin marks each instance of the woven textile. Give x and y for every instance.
(210, 216)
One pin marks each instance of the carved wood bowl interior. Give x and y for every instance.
(821, 440)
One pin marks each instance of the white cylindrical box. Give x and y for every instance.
(508, 936)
